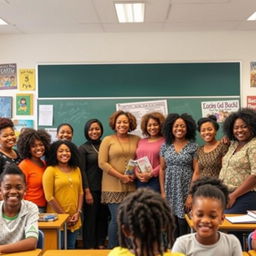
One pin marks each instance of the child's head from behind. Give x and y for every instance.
(210, 197)
(145, 223)
(13, 186)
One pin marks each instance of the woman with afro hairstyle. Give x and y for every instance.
(177, 159)
(32, 146)
(145, 225)
(115, 152)
(239, 164)
(7, 141)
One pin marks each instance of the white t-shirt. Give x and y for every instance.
(24, 225)
(227, 245)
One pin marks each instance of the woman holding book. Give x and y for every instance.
(151, 126)
(114, 154)
(239, 164)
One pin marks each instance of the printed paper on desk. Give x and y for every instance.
(46, 115)
(241, 219)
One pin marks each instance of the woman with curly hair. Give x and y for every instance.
(7, 141)
(151, 127)
(177, 164)
(32, 146)
(114, 154)
(239, 164)
(62, 184)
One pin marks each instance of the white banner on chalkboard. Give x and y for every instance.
(139, 109)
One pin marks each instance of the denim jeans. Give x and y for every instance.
(71, 239)
(112, 226)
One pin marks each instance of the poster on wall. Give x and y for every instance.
(22, 124)
(221, 109)
(251, 102)
(5, 106)
(138, 109)
(24, 104)
(253, 74)
(27, 79)
(8, 76)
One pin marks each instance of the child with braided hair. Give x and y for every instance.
(145, 225)
(210, 198)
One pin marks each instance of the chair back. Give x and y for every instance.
(249, 241)
(40, 241)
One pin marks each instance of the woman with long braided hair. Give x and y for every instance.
(145, 225)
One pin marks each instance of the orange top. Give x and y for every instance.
(34, 174)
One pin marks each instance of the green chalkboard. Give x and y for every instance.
(78, 111)
(139, 80)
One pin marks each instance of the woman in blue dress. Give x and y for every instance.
(177, 160)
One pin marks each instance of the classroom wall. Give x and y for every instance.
(29, 50)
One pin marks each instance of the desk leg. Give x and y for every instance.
(65, 236)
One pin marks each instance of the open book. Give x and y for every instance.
(142, 164)
(246, 218)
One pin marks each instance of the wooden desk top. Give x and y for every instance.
(252, 253)
(226, 225)
(76, 253)
(36, 252)
(53, 224)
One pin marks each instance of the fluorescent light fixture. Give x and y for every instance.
(252, 17)
(2, 22)
(130, 12)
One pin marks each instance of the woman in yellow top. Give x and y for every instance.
(115, 152)
(145, 225)
(62, 184)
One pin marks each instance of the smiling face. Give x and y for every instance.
(7, 138)
(63, 154)
(207, 215)
(153, 127)
(12, 190)
(94, 131)
(241, 130)
(179, 129)
(208, 132)
(65, 133)
(37, 149)
(122, 125)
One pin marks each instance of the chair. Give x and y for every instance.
(249, 241)
(40, 241)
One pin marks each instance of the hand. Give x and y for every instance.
(145, 177)
(88, 197)
(232, 200)
(73, 219)
(188, 203)
(163, 195)
(126, 178)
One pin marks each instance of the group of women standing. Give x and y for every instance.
(170, 146)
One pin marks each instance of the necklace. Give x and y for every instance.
(124, 152)
(95, 149)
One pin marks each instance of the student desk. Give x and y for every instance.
(228, 226)
(36, 252)
(252, 253)
(76, 253)
(52, 229)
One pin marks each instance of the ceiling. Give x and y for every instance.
(98, 16)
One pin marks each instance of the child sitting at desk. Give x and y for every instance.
(18, 217)
(210, 198)
(145, 225)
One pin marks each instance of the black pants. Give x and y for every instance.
(181, 228)
(95, 223)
